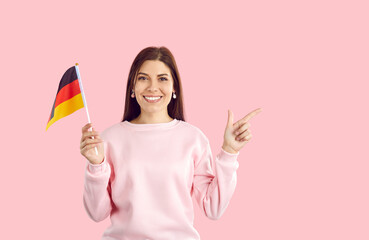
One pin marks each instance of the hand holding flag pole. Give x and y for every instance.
(84, 100)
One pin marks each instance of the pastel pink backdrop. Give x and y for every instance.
(304, 175)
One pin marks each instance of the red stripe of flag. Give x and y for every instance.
(67, 92)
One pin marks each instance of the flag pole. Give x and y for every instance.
(84, 99)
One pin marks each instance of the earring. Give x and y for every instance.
(174, 95)
(133, 94)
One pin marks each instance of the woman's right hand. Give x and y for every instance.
(88, 144)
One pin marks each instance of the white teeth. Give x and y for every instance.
(152, 98)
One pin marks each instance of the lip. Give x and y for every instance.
(152, 96)
(155, 101)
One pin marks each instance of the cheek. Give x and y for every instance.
(168, 89)
(139, 90)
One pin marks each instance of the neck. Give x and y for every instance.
(152, 118)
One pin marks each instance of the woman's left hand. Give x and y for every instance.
(237, 134)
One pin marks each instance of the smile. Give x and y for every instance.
(153, 99)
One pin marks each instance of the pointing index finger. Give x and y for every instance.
(251, 114)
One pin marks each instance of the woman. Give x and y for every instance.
(151, 163)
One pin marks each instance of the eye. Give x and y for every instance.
(141, 77)
(164, 79)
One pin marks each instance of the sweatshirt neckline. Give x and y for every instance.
(150, 126)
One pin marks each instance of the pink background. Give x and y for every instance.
(304, 175)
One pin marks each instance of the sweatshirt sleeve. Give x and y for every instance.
(213, 187)
(97, 191)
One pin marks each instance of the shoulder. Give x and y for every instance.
(195, 132)
(111, 130)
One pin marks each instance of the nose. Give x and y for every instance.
(152, 86)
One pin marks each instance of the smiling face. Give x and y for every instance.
(154, 80)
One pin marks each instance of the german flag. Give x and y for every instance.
(68, 98)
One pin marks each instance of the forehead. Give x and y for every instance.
(154, 67)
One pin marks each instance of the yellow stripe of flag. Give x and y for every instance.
(66, 108)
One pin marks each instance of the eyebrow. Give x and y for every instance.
(148, 74)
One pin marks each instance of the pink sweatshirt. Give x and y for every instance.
(148, 177)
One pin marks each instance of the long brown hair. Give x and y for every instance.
(175, 107)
